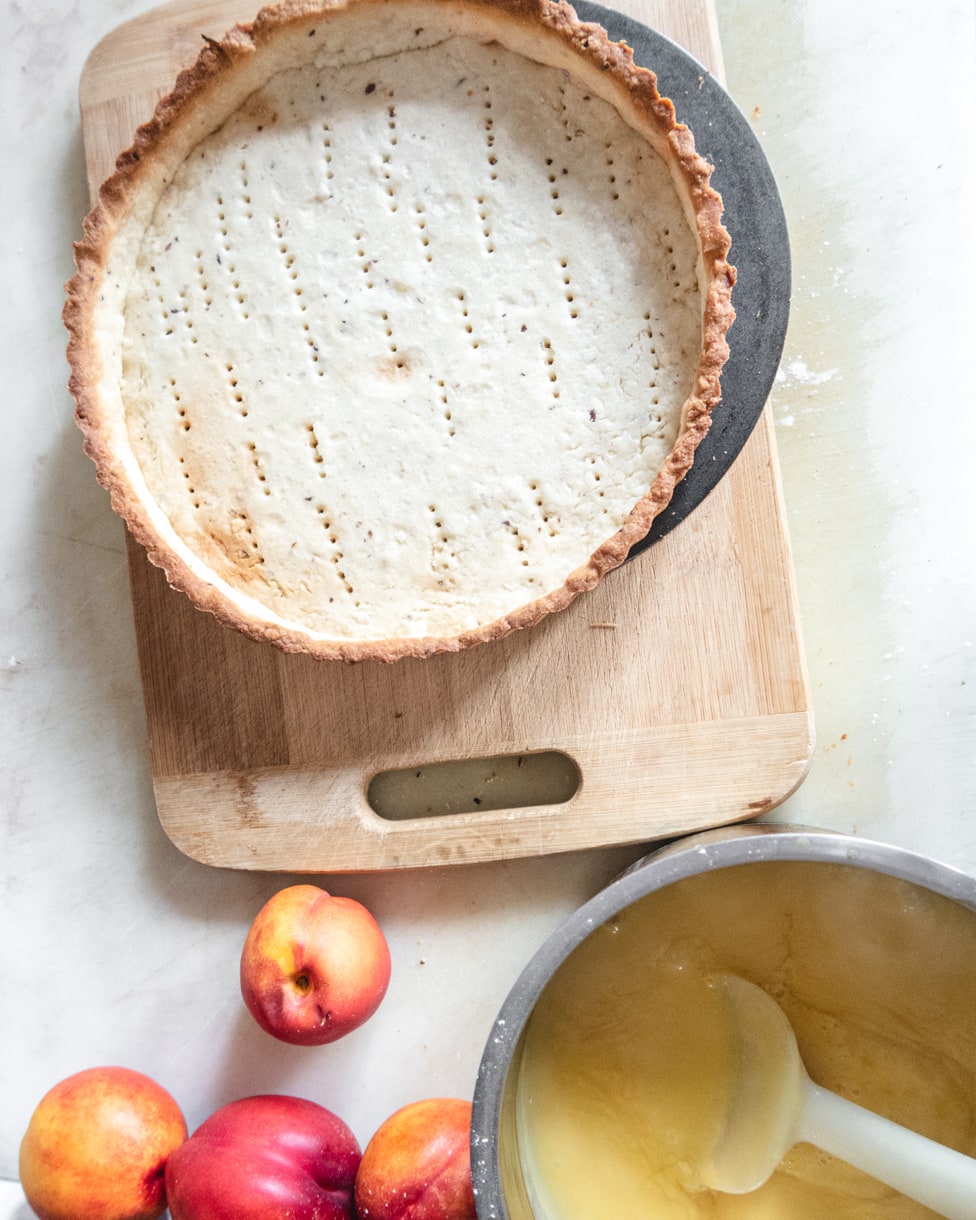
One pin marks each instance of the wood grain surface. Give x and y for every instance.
(677, 689)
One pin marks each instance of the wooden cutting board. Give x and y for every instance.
(671, 699)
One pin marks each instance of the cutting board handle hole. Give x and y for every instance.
(470, 785)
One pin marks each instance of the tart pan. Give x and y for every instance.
(753, 214)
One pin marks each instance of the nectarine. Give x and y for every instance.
(270, 1157)
(314, 966)
(417, 1166)
(96, 1147)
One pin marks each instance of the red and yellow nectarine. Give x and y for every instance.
(97, 1145)
(314, 967)
(417, 1166)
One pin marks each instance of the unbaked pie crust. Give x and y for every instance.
(399, 321)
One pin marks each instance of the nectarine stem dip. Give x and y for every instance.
(877, 976)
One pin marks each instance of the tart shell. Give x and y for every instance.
(225, 73)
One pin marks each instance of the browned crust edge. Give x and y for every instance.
(589, 41)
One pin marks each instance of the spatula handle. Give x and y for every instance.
(930, 1173)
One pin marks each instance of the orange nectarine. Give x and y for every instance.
(417, 1166)
(96, 1147)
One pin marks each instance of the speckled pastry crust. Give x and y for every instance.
(397, 324)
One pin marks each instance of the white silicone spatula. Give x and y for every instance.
(775, 1105)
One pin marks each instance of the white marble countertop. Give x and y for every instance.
(116, 948)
